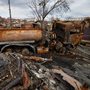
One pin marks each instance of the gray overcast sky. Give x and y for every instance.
(79, 8)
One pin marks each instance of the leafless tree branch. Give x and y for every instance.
(42, 8)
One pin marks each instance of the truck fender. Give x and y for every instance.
(30, 47)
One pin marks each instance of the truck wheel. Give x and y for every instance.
(59, 47)
(9, 50)
(26, 51)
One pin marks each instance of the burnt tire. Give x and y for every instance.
(59, 47)
(9, 50)
(26, 51)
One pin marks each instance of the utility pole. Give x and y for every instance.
(10, 13)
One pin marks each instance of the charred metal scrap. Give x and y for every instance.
(19, 72)
(10, 71)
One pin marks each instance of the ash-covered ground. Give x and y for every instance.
(39, 72)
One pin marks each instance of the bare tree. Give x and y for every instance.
(42, 8)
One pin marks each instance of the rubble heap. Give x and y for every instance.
(18, 72)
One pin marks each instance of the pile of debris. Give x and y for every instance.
(18, 72)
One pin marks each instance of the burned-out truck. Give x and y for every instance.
(31, 40)
(20, 40)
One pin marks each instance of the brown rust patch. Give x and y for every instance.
(20, 35)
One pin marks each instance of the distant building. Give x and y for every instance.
(27, 25)
(30, 19)
(1, 26)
